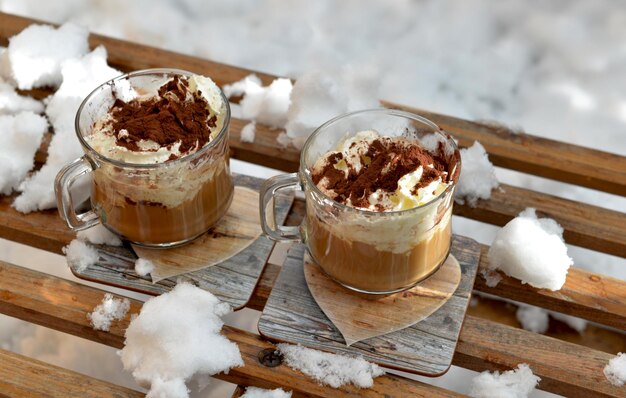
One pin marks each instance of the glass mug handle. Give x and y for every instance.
(266, 204)
(62, 184)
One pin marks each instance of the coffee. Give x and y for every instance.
(169, 179)
(398, 232)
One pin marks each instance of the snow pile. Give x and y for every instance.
(517, 383)
(478, 176)
(266, 105)
(35, 55)
(533, 318)
(315, 98)
(615, 370)
(143, 267)
(109, 310)
(330, 369)
(99, 235)
(318, 97)
(532, 250)
(21, 136)
(11, 102)
(248, 132)
(175, 336)
(80, 77)
(255, 392)
(80, 255)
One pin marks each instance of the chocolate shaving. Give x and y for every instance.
(165, 119)
(391, 159)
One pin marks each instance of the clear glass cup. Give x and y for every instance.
(367, 251)
(157, 205)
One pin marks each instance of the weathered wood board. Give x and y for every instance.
(291, 315)
(359, 317)
(231, 281)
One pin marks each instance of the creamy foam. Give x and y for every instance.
(103, 138)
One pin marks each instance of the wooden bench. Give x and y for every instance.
(564, 367)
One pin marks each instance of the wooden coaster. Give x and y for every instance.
(238, 229)
(291, 315)
(231, 281)
(359, 317)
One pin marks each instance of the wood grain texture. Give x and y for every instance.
(590, 296)
(24, 377)
(232, 280)
(584, 225)
(291, 315)
(359, 317)
(565, 368)
(568, 369)
(234, 232)
(63, 305)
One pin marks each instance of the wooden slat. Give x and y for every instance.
(531, 154)
(586, 295)
(584, 225)
(63, 305)
(540, 156)
(24, 377)
(566, 368)
(239, 391)
(126, 56)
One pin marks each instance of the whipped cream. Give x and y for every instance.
(104, 141)
(353, 157)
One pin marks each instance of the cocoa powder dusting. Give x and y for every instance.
(390, 159)
(165, 119)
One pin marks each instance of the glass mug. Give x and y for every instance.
(367, 251)
(156, 205)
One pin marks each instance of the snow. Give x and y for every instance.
(517, 383)
(99, 235)
(536, 319)
(315, 98)
(35, 55)
(533, 318)
(248, 131)
(21, 136)
(175, 336)
(109, 310)
(478, 176)
(143, 267)
(80, 77)
(615, 370)
(507, 61)
(318, 97)
(80, 255)
(255, 392)
(11, 102)
(532, 250)
(174, 388)
(330, 369)
(266, 105)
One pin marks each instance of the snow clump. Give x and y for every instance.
(176, 336)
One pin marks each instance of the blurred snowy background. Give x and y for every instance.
(555, 69)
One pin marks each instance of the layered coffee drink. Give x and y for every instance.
(392, 227)
(165, 179)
